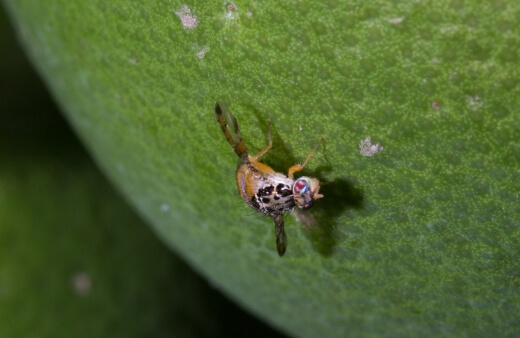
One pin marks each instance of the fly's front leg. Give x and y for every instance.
(269, 146)
(299, 167)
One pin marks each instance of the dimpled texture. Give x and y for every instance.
(422, 238)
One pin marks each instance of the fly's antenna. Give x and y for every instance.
(225, 119)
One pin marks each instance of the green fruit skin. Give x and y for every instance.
(421, 238)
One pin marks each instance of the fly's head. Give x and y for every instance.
(305, 191)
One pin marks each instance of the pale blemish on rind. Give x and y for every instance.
(165, 207)
(82, 283)
(368, 149)
(231, 10)
(202, 52)
(188, 20)
(474, 102)
(230, 6)
(396, 21)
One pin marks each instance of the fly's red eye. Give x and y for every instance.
(301, 186)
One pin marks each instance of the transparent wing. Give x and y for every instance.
(305, 217)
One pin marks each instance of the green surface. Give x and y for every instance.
(60, 224)
(422, 238)
(75, 260)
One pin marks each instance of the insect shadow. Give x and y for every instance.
(340, 194)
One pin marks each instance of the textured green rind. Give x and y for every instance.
(422, 238)
(61, 221)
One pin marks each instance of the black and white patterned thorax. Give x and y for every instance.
(273, 195)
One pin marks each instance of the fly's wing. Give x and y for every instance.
(229, 125)
(281, 238)
(305, 217)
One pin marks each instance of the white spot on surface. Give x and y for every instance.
(188, 20)
(396, 21)
(165, 207)
(230, 7)
(82, 283)
(300, 127)
(474, 102)
(202, 52)
(369, 149)
(231, 10)
(249, 14)
(133, 61)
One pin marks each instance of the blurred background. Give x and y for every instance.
(75, 260)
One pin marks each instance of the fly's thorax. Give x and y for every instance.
(305, 190)
(274, 196)
(270, 193)
(251, 178)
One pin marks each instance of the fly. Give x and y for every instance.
(264, 189)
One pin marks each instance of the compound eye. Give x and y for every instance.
(301, 186)
(302, 193)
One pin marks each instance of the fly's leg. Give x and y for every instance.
(269, 146)
(226, 120)
(299, 167)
